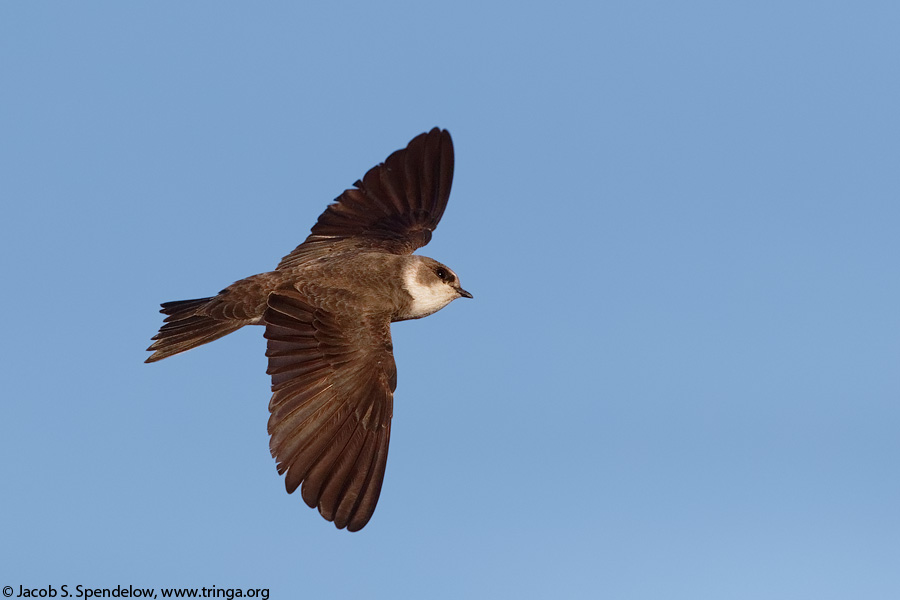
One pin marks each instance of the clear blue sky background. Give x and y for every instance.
(681, 223)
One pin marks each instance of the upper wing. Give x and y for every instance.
(333, 384)
(395, 207)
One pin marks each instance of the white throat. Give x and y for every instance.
(426, 299)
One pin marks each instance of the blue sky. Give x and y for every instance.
(681, 224)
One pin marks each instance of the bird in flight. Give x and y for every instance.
(327, 309)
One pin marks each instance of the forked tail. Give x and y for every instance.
(187, 327)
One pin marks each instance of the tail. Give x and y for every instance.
(187, 327)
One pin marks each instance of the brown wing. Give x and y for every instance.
(395, 207)
(331, 407)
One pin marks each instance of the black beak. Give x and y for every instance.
(463, 293)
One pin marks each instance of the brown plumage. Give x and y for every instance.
(327, 310)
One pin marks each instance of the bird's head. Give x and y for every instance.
(431, 285)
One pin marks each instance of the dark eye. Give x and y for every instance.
(441, 273)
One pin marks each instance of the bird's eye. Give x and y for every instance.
(441, 273)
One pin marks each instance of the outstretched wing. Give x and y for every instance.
(394, 208)
(333, 380)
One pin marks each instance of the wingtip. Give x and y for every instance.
(444, 134)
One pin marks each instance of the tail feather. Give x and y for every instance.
(187, 327)
(180, 309)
